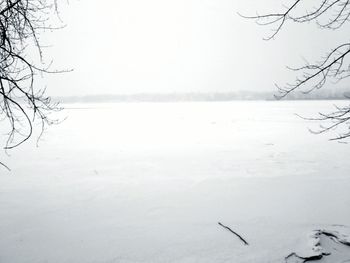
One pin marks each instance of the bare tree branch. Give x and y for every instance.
(21, 102)
(334, 66)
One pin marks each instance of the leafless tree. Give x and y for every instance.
(334, 66)
(22, 103)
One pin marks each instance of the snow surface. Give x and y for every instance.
(149, 182)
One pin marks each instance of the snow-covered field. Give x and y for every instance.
(149, 182)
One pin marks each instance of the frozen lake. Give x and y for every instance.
(148, 182)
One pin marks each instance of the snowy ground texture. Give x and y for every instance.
(149, 182)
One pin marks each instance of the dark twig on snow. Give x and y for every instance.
(233, 232)
(306, 259)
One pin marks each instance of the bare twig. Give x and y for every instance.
(233, 232)
(305, 259)
(5, 166)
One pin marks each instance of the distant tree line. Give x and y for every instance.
(325, 94)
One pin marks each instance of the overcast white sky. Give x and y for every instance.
(138, 46)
